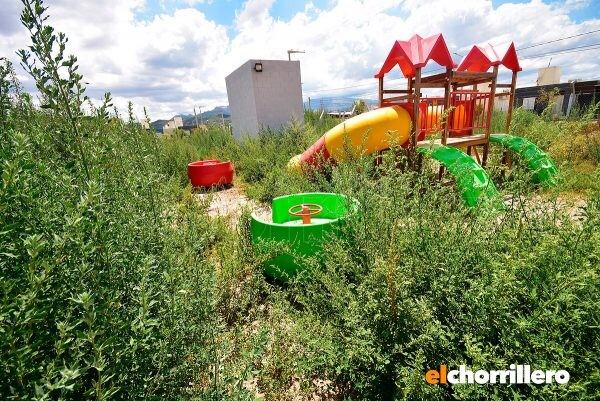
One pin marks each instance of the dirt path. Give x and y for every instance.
(231, 202)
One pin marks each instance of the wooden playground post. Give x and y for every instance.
(511, 100)
(488, 127)
(506, 160)
(447, 89)
(416, 101)
(381, 91)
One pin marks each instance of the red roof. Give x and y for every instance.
(480, 59)
(416, 53)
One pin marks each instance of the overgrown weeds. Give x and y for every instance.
(115, 284)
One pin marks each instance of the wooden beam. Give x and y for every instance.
(434, 78)
(511, 101)
(397, 91)
(459, 142)
(433, 85)
(416, 120)
(446, 125)
(380, 91)
(488, 128)
(447, 89)
(463, 76)
(473, 82)
(476, 154)
(397, 98)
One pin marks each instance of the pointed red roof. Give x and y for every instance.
(416, 53)
(480, 59)
(510, 59)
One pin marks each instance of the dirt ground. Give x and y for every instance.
(231, 202)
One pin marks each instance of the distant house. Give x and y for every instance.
(343, 114)
(565, 95)
(145, 123)
(172, 125)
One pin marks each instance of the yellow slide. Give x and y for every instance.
(363, 134)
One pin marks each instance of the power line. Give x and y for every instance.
(549, 41)
(593, 46)
(558, 40)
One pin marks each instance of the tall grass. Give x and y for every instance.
(116, 284)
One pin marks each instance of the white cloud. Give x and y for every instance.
(254, 12)
(175, 60)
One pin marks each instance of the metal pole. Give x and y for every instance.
(196, 117)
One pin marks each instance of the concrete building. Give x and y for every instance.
(145, 123)
(548, 76)
(565, 96)
(172, 125)
(264, 94)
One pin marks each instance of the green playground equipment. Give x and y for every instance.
(472, 180)
(544, 169)
(302, 222)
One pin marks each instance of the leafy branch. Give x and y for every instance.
(55, 74)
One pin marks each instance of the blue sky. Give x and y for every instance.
(172, 55)
(223, 11)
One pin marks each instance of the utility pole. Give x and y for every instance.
(291, 51)
(199, 113)
(196, 117)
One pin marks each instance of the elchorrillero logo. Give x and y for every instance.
(516, 374)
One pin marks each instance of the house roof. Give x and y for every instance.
(481, 58)
(416, 53)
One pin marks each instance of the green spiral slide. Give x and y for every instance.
(544, 169)
(472, 180)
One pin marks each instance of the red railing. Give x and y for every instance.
(470, 112)
(468, 116)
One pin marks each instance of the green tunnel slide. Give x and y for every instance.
(544, 169)
(472, 180)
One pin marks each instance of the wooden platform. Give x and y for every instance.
(470, 140)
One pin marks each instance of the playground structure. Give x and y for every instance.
(453, 128)
(302, 221)
(210, 173)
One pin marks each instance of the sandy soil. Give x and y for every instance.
(231, 203)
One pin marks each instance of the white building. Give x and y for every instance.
(548, 76)
(171, 125)
(264, 94)
(145, 123)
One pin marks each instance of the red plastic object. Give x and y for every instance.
(415, 53)
(209, 173)
(481, 58)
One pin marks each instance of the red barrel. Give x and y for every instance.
(208, 173)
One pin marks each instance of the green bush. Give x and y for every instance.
(116, 284)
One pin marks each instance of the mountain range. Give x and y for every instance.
(341, 103)
(189, 120)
